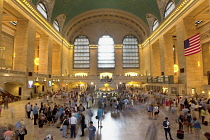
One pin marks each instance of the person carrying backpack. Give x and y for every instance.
(167, 128)
(189, 121)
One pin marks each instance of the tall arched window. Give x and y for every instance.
(130, 52)
(169, 8)
(56, 25)
(42, 9)
(81, 53)
(106, 55)
(155, 24)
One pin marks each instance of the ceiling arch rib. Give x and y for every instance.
(118, 16)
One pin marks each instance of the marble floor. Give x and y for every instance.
(131, 124)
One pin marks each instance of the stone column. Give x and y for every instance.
(166, 54)
(155, 59)
(45, 54)
(56, 60)
(71, 61)
(65, 58)
(193, 67)
(118, 61)
(1, 14)
(93, 61)
(24, 46)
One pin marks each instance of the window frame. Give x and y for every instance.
(169, 8)
(155, 25)
(42, 9)
(56, 25)
(79, 54)
(114, 64)
(129, 57)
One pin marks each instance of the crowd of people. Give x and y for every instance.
(72, 112)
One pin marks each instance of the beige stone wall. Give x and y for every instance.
(45, 54)
(24, 46)
(56, 60)
(12, 88)
(155, 59)
(93, 61)
(206, 58)
(65, 61)
(6, 55)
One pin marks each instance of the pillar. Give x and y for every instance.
(1, 14)
(93, 61)
(56, 60)
(193, 67)
(118, 61)
(166, 54)
(24, 46)
(155, 59)
(45, 55)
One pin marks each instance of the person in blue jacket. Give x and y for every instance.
(100, 116)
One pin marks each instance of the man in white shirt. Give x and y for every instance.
(73, 122)
(28, 109)
(166, 125)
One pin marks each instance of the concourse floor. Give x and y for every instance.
(131, 124)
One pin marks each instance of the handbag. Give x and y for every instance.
(61, 127)
(85, 125)
(96, 117)
(25, 131)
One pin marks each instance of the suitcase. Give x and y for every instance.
(207, 135)
(205, 123)
(180, 134)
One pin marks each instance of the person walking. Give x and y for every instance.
(92, 131)
(28, 109)
(35, 112)
(82, 123)
(100, 117)
(202, 114)
(73, 122)
(167, 129)
(197, 128)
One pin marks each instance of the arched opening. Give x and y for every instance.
(106, 54)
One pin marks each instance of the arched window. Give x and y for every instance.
(56, 25)
(155, 24)
(106, 55)
(130, 52)
(81, 53)
(42, 9)
(169, 8)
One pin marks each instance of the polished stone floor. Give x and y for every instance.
(131, 124)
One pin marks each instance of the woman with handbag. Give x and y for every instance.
(22, 130)
(64, 126)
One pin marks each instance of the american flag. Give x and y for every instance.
(192, 45)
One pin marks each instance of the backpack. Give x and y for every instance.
(66, 122)
(189, 118)
(164, 123)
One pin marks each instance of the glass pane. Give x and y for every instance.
(81, 52)
(169, 8)
(130, 52)
(42, 9)
(106, 55)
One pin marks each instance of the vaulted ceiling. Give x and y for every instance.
(72, 8)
